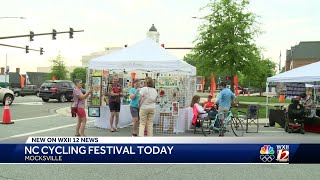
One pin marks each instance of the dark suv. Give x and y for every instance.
(61, 90)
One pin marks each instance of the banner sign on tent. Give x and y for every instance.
(295, 89)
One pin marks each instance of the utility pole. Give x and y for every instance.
(6, 73)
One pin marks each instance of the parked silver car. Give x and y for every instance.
(6, 93)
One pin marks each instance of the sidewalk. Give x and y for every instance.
(67, 112)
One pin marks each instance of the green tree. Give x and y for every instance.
(258, 75)
(58, 70)
(79, 73)
(225, 44)
(192, 59)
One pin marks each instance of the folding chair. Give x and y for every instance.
(251, 117)
(199, 122)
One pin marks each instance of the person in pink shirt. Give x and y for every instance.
(78, 101)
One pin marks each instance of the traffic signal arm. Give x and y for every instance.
(42, 34)
(26, 48)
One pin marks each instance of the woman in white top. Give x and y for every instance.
(147, 102)
(195, 102)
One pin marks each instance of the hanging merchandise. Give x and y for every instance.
(96, 84)
(104, 91)
(175, 93)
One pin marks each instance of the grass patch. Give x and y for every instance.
(259, 99)
(244, 108)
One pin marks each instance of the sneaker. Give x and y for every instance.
(134, 135)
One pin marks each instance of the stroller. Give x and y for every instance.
(295, 117)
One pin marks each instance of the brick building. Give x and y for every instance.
(302, 54)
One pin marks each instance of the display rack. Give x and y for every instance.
(173, 89)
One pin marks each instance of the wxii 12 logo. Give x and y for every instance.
(267, 154)
(282, 153)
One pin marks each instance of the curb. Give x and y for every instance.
(63, 111)
(66, 112)
(54, 110)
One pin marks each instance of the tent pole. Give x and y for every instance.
(314, 93)
(87, 84)
(267, 91)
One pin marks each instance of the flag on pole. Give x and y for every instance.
(203, 83)
(213, 85)
(235, 80)
(22, 80)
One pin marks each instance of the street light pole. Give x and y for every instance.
(6, 69)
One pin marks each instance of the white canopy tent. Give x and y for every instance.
(307, 73)
(146, 55)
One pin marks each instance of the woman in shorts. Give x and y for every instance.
(134, 105)
(78, 101)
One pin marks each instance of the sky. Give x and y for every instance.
(114, 23)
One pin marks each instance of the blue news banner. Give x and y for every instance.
(78, 152)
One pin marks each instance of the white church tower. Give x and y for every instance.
(153, 34)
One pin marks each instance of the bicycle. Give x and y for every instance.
(235, 124)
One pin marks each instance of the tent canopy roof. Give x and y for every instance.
(145, 55)
(307, 73)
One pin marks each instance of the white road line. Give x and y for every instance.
(272, 131)
(40, 131)
(30, 103)
(40, 117)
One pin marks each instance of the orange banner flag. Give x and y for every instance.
(213, 85)
(22, 80)
(235, 80)
(203, 83)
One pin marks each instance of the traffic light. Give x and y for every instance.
(54, 34)
(27, 49)
(41, 51)
(31, 35)
(71, 33)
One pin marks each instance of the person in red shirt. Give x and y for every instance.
(212, 112)
(207, 105)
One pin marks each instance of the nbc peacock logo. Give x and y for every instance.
(267, 153)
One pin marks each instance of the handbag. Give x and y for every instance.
(74, 110)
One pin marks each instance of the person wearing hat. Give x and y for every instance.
(207, 105)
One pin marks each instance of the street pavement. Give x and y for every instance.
(32, 117)
(32, 106)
